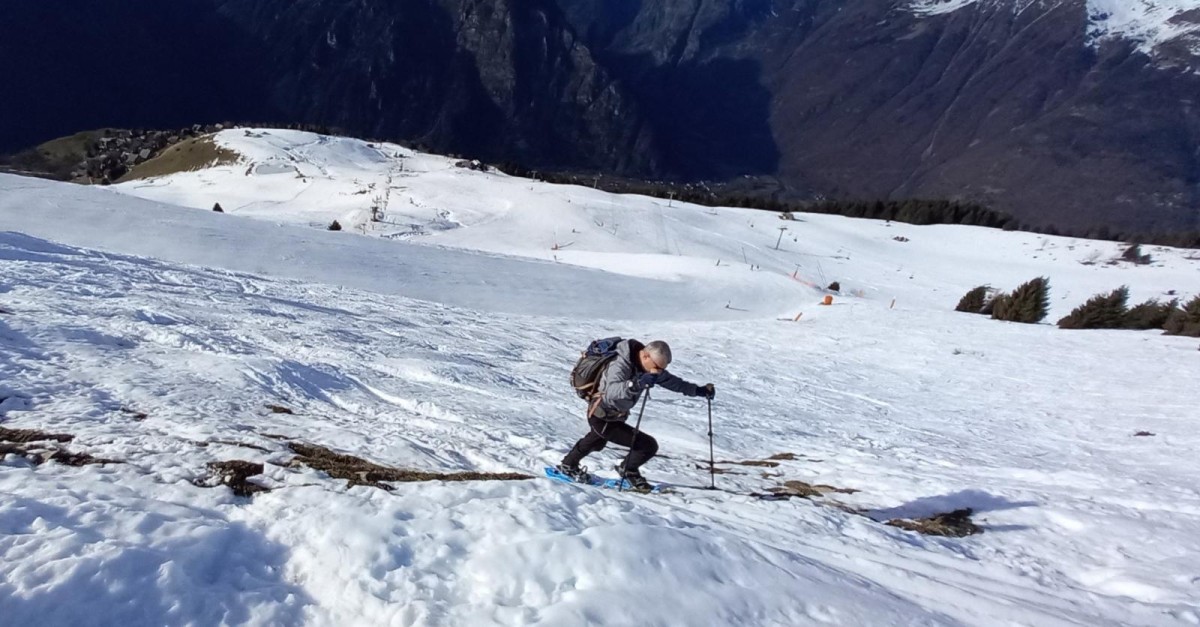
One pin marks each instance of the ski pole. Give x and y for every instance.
(712, 472)
(636, 428)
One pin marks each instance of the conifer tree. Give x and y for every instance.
(1029, 303)
(1150, 315)
(974, 300)
(1185, 320)
(1102, 311)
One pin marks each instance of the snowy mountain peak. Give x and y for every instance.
(1149, 23)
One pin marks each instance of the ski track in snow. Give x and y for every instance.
(921, 409)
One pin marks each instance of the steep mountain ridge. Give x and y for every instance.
(1074, 113)
(1154, 25)
(1013, 109)
(1031, 107)
(486, 78)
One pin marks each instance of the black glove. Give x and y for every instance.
(647, 380)
(707, 390)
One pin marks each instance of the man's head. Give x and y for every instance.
(655, 356)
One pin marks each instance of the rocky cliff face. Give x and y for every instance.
(1013, 108)
(1067, 112)
(492, 78)
(1043, 109)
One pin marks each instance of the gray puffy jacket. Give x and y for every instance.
(619, 390)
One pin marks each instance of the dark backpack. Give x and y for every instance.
(585, 377)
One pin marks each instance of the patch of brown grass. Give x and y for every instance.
(25, 442)
(57, 158)
(74, 459)
(359, 471)
(243, 445)
(71, 147)
(749, 462)
(32, 435)
(234, 473)
(752, 462)
(37, 457)
(770, 462)
(955, 524)
(188, 155)
(806, 490)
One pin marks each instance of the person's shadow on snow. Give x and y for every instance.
(978, 501)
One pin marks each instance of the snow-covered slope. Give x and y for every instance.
(158, 335)
(706, 258)
(1150, 23)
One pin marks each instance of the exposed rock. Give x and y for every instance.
(473, 164)
(235, 474)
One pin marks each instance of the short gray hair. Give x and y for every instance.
(659, 352)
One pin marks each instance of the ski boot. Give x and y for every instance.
(635, 479)
(578, 474)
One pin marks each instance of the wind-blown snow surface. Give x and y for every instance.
(1150, 23)
(445, 358)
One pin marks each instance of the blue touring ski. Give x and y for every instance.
(598, 482)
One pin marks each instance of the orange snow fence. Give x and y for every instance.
(828, 300)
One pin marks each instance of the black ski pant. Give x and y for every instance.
(641, 449)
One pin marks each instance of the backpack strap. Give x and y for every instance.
(595, 404)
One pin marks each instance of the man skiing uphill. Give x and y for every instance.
(631, 369)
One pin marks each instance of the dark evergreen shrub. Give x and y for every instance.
(335, 226)
(974, 301)
(1102, 311)
(1028, 303)
(1185, 320)
(1133, 254)
(989, 305)
(1150, 315)
(217, 208)
(834, 287)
